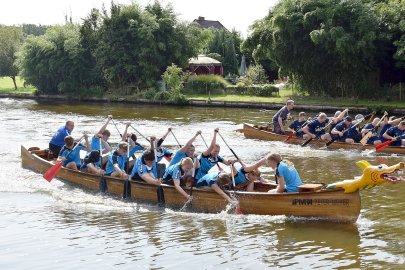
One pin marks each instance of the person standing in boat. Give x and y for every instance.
(396, 133)
(297, 125)
(287, 177)
(188, 150)
(210, 157)
(91, 163)
(179, 176)
(70, 155)
(117, 161)
(145, 168)
(316, 128)
(280, 118)
(57, 141)
(216, 181)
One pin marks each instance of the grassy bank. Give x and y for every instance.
(7, 86)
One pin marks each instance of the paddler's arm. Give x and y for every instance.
(258, 164)
(281, 184)
(280, 122)
(124, 135)
(86, 140)
(160, 141)
(306, 131)
(218, 190)
(151, 180)
(104, 127)
(213, 143)
(189, 143)
(180, 189)
(340, 116)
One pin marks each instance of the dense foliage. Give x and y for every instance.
(125, 48)
(10, 42)
(329, 47)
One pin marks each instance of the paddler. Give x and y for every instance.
(280, 118)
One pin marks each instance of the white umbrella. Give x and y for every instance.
(242, 70)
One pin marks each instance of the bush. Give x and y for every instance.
(265, 90)
(150, 93)
(162, 95)
(201, 84)
(179, 99)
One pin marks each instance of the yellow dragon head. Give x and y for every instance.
(372, 176)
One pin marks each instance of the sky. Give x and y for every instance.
(237, 15)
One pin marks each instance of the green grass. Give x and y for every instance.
(7, 86)
(286, 93)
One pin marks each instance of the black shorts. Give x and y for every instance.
(55, 149)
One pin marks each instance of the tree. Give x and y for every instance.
(327, 46)
(173, 77)
(223, 43)
(11, 38)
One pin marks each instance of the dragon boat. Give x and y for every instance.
(265, 133)
(336, 202)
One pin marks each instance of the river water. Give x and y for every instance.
(54, 225)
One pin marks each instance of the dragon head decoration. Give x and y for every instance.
(372, 176)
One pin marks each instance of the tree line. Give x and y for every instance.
(124, 48)
(334, 48)
(327, 48)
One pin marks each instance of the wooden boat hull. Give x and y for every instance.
(254, 133)
(331, 205)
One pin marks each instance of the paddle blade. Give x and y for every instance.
(382, 145)
(238, 211)
(289, 137)
(330, 142)
(52, 172)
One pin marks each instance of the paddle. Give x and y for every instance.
(368, 135)
(116, 127)
(228, 146)
(175, 138)
(54, 170)
(159, 190)
(387, 143)
(237, 209)
(344, 131)
(206, 145)
(140, 133)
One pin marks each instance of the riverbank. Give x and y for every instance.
(202, 103)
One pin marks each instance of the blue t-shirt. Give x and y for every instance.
(206, 163)
(141, 168)
(395, 132)
(297, 125)
(240, 177)
(59, 136)
(163, 152)
(95, 144)
(115, 158)
(208, 180)
(173, 172)
(383, 130)
(342, 128)
(372, 129)
(316, 127)
(135, 149)
(73, 156)
(283, 113)
(291, 177)
(177, 157)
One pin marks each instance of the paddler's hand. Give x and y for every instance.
(158, 182)
(169, 129)
(313, 136)
(127, 124)
(198, 133)
(109, 117)
(216, 130)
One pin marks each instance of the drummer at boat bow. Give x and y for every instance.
(179, 176)
(57, 142)
(210, 157)
(280, 118)
(287, 177)
(316, 128)
(70, 153)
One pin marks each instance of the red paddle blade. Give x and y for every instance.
(238, 211)
(289, 137)
(382, 145)
(53, 171)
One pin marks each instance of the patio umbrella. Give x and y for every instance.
(242, 70)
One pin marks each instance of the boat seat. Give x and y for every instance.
(310, 188)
